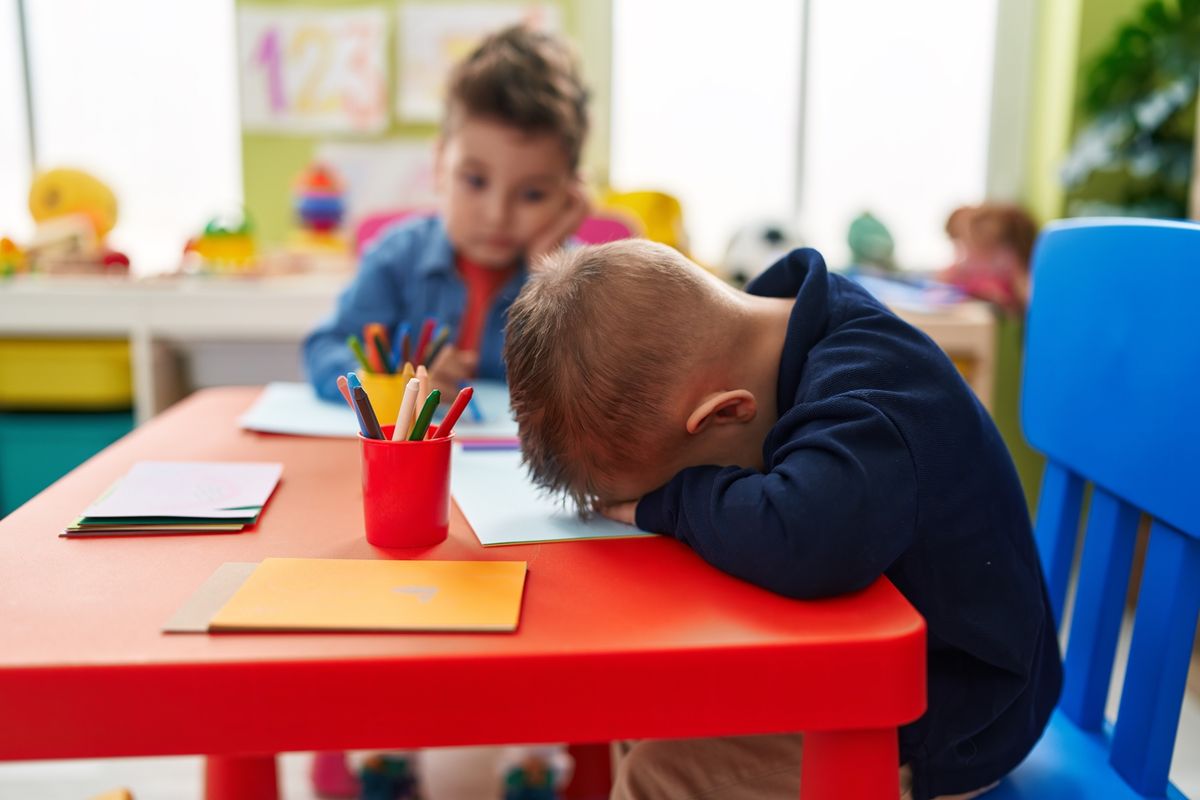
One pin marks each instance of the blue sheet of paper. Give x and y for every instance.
(503, 505)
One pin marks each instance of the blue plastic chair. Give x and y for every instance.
(1111, 395)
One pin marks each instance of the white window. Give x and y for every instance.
(14, 153)
(142, 94)
(899, 98)
(705, 101)
(897, 105)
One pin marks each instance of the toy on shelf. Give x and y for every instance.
(320, 207)
(74, 212)
(12, 258)
(225, 246)
(388, 777)
(535, 772)
(658, 214)
(993, 244)
(755, 247)
(872, 248)
(533, 779)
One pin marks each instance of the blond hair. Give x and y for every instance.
(526, 79)
(597, 344)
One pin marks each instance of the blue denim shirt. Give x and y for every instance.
(408, 274)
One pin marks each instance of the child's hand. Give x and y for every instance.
(621, 512)
(574, 212)
(451, 369)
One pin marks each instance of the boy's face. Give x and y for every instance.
(499, 189)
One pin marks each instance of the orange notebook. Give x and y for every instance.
(319, 594)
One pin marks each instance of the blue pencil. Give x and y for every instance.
(352, 383)
(399, 345)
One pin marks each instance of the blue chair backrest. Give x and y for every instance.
(1111, 396)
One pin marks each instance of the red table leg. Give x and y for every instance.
(240, 778)
(850, 765)
(593, 773)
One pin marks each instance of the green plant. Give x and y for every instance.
(1134, 155)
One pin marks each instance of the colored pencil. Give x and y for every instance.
(456, 409)
(400, 345)
(408, 407)
(357, 348)
(368, 422)
(439, 341)
(423, 342)
(423, 377)
(381, 353)
(344, 387)
(426, 415)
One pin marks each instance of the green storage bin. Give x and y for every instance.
(38, 449)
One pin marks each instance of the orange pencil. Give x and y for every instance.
(374, 335)
(423, 377)
(377, 329)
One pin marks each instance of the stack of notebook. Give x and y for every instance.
(163, 497)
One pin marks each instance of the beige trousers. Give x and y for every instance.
(727, 768)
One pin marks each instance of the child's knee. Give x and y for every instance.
(735, 767)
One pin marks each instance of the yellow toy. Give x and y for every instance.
(12, 258)
(62, 192)
(660, 215)
(74, 212)
(226, 245)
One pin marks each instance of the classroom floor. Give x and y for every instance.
(453, 773)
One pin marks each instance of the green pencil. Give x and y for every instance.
(356, 348)
(426, 415)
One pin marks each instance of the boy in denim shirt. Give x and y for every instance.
(505, 165)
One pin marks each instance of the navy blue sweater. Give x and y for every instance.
(883, 462)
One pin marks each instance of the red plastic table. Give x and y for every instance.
(618, 639)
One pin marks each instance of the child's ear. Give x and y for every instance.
(733, 406)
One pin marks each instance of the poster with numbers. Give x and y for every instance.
(432, 37)
(306, 71)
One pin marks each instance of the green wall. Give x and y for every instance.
(1068, 34)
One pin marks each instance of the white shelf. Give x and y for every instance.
(281, 309)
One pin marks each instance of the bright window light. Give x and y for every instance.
(142, 94)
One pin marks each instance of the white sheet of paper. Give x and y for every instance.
(293, 408)
(504, 507)
(210, 489)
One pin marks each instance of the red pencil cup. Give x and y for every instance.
(406, 490)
